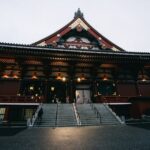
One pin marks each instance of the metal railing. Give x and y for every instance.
(77, 114)
(98, 115)
(31, 121)
(20, 99)
(56, 115)
(113, 113)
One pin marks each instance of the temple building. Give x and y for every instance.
(76, 64)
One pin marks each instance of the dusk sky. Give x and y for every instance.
(125, 22)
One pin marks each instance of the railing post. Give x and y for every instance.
(56, 115)
(98, 115)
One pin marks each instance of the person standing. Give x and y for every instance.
(40, 114)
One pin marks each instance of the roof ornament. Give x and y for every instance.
(78, 14)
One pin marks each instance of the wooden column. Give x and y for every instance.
(46, 91)
(2, 69)
(72, 91)
(71, 73)
(135, 74)
(115, 74)
(47, 72)
(138, 89)
(94, 91)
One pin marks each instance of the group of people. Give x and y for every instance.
(60, 99)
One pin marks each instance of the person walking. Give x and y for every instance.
(40, 114)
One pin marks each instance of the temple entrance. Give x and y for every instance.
(83, 94)
(56, 92)
(106, 88)
(33, 88)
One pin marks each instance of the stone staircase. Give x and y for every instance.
(49, 116)
(106, 115)
(63, 115)
(66, 116)
(87, 115)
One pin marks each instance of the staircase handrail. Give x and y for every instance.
(98, 115)
(77, 114)
(56, 115)
(113, 113)
(31, 121)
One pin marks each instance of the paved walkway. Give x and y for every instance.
(77, 138)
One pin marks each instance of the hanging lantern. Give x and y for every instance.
(82, 77)
(143, 79)
(31, 88)
(63, 79)
(34, 76)
(78, 79)
(143, 76)
(59, 76)
(105, 78)
(5, 75)
(15, 76)
(52, 88)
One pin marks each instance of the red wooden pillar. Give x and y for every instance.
(72, 91)
(46, 92)
(138, 89)
(94, 90)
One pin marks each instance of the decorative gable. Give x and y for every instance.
(79, 23)
(78, 34)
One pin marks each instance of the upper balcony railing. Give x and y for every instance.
(112, 99)
(20, 99)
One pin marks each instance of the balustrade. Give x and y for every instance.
(112, 99)
(20, 99)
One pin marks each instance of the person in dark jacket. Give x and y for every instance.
(40, 114)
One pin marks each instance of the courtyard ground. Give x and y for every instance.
(120, 137)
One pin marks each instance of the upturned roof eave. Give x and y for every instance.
(41, 48)
(98, 33)
(53, 34)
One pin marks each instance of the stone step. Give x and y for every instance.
(106, 116)
(66, 115)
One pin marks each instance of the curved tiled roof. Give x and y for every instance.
(79, 20)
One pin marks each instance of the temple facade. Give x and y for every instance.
(76, 64)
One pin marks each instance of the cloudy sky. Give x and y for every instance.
(124, 22)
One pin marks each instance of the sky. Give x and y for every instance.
(124, 22)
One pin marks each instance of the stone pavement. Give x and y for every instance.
(76, 138)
